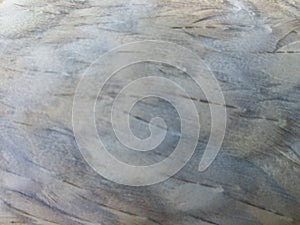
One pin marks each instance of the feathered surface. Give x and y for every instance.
(253, 49)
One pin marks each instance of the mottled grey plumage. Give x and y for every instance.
(252, 47)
